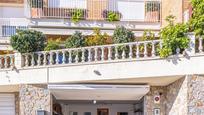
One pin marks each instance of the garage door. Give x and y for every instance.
(7, 104)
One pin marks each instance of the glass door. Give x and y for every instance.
(102, 111)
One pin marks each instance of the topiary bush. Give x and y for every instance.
(75, 41)
(173, 36)
(197, 20)
(122, 35)
(26, 41)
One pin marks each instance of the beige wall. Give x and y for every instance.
(12, 1)
(172, 7)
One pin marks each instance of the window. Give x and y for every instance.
(11, 30)
(87, 113)
(152, 11)
(122, 113)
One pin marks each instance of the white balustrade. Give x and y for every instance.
(93, 54)
(6, 61)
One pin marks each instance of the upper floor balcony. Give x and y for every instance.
(106, 14)
(125, 10)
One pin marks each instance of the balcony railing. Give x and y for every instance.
(92, 54)
(9, 26)
(127, 10)
(141, 50)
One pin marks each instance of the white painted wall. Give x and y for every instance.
(113, 108)
(67, 4)
(156, 67)
(12, 12)
(130, 9)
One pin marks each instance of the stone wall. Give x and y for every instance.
(172, 7)
(176, 97)
(17, 102)
(34, 97)
(183, 97)
(196, 95)
(149, 104)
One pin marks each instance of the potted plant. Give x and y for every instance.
(36, 8)
(77, 15)
(111, 15)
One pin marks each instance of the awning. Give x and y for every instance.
(98, 92)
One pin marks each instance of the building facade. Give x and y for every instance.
(105, 81)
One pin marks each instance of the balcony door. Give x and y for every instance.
(102, 111)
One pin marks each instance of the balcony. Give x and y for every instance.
(131, 61)
(127, 10)
(137, 15)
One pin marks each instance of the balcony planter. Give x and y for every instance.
(111, 15)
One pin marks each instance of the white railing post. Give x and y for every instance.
(33, 60)
(83, 55)
(63, 57)
(45, 59)
(191, 49)
(153, 49)
(200, 48)
(145, 49)
(19, 61)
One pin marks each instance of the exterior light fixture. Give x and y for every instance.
(94, 101)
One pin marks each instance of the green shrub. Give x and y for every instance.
(173, 36)
(197, 20)
(97, 38)
(52, 45)
(26, 41)
(122, 35)
(75, 41)
(148, 35)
